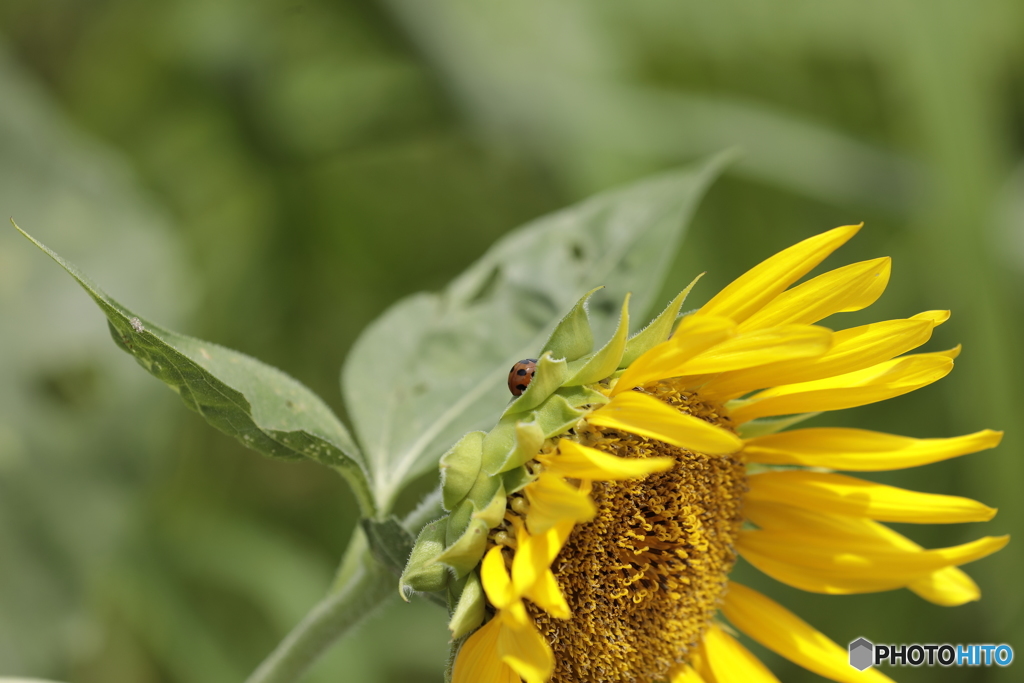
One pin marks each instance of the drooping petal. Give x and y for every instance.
(647, 416)
(840, 494)
(844, 542)
(553, 501)
(760, 347)
(495, 578)
(748, 293)
(849, 558)
(478, 660)
(693, 335)
(583, 462)
(877, 383)
(531, 570)
(853, 349)
(524, 649)
(849, 288)
(731, 662)
(860, 450)
(783, 632)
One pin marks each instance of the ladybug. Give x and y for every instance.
(520, 375)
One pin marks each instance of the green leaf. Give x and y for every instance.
(390, 543)
(257, 404)
(435, 366)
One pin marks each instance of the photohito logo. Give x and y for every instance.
(864, 654)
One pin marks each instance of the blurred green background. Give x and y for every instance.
(271, 175)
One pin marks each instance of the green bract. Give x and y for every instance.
(482, 469)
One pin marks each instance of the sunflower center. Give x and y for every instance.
(643, 579)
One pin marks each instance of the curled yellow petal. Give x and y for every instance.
(781, 631)
(525, 651)
(478, 660)
(877, 383)
(748, 293)
(583, 462)
(495, 578)
(647, 416)
(887, 559)
(848, 495)
(849, 288)
(553, 501)
(730, 662)
(531, 569)
(851, 561)
(860, 450)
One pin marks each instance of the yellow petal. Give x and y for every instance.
(877, 383)
(851, 496)
(760, 347)
(849, 288)
(524, 649)
(495, 578)
(748, 293)
(581, 462)
(949, 586)
(553, 501)
(531, 570)
(781, 631)
(853, 349)
(685, 674)
(731, 662)
(820, 552)
(478, 660)
(850, 557)
(647, 416)
(693, 335)
(860, 450)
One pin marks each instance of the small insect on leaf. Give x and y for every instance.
(520, 376)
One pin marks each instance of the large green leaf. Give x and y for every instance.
(257, 404)
(434, 366)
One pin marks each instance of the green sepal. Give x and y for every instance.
(422, 572)
(515, 480)
(555, 416)
(657, 331)
(494, 511)
(469, 609)
(558, 416)
(764, 427)
(460, 467)
(465, 554)
(458, 521)
(581, 396)
(606, 361)
(468, 526)
(499, 444)
(572, 338)
(529, 438)
(550, 375)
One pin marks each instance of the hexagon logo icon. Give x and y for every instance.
(862, 654)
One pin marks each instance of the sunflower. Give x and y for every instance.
(591, 533)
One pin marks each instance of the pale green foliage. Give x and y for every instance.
(434, 366)
(259, 405)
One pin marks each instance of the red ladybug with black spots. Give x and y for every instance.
(520, 376)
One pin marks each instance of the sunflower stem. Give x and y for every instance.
(361, 585)
(366, 585)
